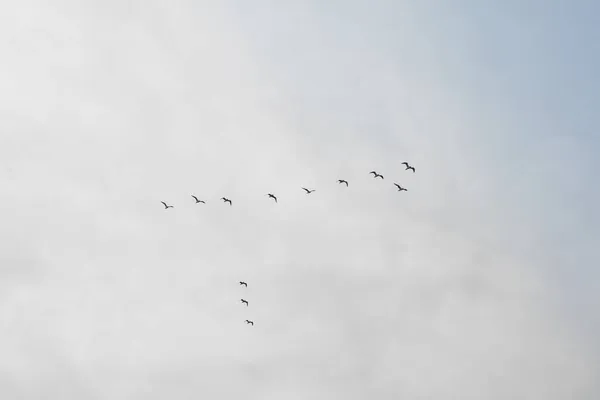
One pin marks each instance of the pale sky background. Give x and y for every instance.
(480, 282)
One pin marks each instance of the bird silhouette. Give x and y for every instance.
(249, 322)
(243, 283)
(198, 201)
(343, 181)
(376, 175)
(166, 206)
(226, 200)
(245, 302)
(400, 188)
(272, 196)
(308, 191)
(408, 167)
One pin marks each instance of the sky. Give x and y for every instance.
(480, 281)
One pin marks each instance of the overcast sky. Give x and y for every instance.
(479, 282)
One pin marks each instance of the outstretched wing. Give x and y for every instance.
(165, 204)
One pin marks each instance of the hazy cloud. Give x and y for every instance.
(479, 282)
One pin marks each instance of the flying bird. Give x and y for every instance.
(400, 188)
(376, 175)
(249, 322)
(408, 167)
(343, 181)
(198, 201)
(226, 200)
(166, 206)
(272, 196)
(243, 283)
(245, 302)
(308, 191)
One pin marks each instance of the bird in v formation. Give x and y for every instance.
(198, 201)
(408, 166)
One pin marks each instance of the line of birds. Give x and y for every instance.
(248, 322)
(308, 191)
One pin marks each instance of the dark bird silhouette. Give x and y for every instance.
(198, 201)
(243, 283)
(343, 181)
(272, 196)
(408, 167)
(245, 302)
(308, 191)
(249, 322)
(226, 200)
(376, 175)
(166, 206)
(400, 188)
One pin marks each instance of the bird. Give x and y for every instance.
(245, 302)
(166, 206)
(400, 188)
(226, 200)
(308, 191)
(343, 181)
(272, 196)
(249, 322)
(408, 167)
(375, 174)
(243, 283)
(198, 201)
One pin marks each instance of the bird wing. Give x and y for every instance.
(405, 163)
(164, 203)
(195, 198)
(373, 172)
(413, 169)
(398, 186)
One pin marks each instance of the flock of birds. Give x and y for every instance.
(308, 191)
